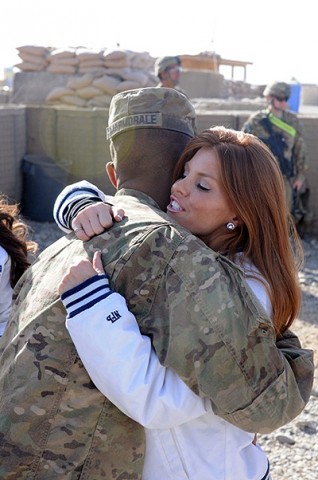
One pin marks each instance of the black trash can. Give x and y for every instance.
(42, 180)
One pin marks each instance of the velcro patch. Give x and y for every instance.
(133, 121)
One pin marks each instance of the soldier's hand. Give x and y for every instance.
(94, 219)
(81, 269)
(298, 184)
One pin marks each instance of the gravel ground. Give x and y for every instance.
(293, 449)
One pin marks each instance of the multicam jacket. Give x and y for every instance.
(282, 141)
(204, 323)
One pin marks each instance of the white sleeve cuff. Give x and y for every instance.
(86, 294)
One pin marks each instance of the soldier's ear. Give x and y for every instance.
(111, 172)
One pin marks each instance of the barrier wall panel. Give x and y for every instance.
(12, 149)
(41, 131)
(81, 138)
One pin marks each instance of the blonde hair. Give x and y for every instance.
(252, 180)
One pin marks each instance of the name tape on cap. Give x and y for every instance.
(132, 121)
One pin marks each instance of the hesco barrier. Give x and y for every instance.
(73, 134)
(12, 149)
(77, 135)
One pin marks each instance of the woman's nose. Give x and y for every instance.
(180, 187)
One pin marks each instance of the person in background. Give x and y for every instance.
(217, 177)
(168, 71)
(281, 130)
(15, 249)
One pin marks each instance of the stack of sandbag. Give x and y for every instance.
(117, 58)
(81, 92)
(89, 90)
(81, 60)
(104, 74)
(132, 69)
(63, 61)
(90, 61)
(142, 61)
(33, 58)
(95, 75)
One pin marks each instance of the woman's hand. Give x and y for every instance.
(81, 269)
(94, 219)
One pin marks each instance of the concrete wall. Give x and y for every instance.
(309, 95)
(202, 83)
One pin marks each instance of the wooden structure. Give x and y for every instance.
(211, 62)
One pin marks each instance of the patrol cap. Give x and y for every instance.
(150, 107)
(279, 89)
(163, 63)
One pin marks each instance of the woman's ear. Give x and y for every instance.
(111, 172)
(237, 221)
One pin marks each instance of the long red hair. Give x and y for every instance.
(266, 236)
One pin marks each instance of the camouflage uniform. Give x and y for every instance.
(162, 64)
(287, 144)
(204, 323)
(192, 302)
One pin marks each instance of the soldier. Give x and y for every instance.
(54, 423)
(281, 131)
(168, 71)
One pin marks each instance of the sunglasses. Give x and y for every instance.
(175, 68)
(282, 99)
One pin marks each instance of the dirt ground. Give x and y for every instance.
(293, 449)
(306, 326)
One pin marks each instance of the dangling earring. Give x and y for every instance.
(230, 226)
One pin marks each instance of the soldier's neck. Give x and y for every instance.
(276, 112)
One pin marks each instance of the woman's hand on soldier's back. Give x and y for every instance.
(94, 219)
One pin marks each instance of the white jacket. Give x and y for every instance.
(184, 439)
(5, 289)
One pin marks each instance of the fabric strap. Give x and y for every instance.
(282, 125)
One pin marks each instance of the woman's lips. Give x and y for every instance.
(174, 206)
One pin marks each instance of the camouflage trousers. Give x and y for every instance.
(289, 193)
